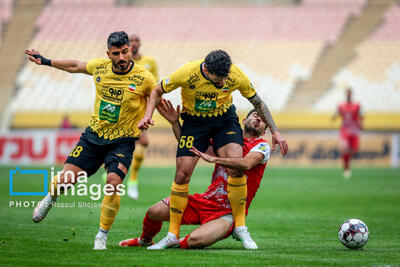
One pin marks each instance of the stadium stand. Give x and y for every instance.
(16, 36)
(6, 10)
(374, 74)
(358, 29)
(275, 45)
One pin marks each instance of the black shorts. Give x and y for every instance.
(90, 156)
(198, 131)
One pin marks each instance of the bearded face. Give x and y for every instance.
(120, 57)
(254, 125)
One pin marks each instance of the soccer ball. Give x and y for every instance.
(353, 233)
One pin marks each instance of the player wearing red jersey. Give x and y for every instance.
(350, 112)
(211, 209)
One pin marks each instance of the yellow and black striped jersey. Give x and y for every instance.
(121, 100)
(200, 97)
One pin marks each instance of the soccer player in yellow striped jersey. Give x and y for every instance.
(148, 62)
(122, 89)
(208, 113)
(143, 142)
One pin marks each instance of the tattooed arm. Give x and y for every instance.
(265, 114)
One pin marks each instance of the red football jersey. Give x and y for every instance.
(217, 191)
(350, 113)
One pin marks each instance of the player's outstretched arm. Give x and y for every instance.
(249, 161)
(69, 65)
(265, 114)
(155, 97)
(166, 109)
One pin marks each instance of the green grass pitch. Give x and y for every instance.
(294, 219)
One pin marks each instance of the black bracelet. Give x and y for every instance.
(44, 60)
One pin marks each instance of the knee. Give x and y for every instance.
(157, 211)
(116, 171)
(182, 177)
(152, 212)
(196, 241)
(114, 180)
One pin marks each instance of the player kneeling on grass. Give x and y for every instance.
(210, 209)
(122, 89)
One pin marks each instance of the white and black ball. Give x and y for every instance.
(353, 234)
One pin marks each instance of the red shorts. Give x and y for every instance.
(200, 210)
(349, 141)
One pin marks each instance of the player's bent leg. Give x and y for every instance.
(67, 178)
(237, 195)
(152, 224)
(59, 185)
(207, 234)
(111, 202)
(179, 191)
(159, 212)
(184, 169)
(237, 183)
(178, 201)
(110, 205)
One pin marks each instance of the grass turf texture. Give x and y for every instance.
(294, 219)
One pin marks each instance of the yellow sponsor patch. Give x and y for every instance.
(120, 155)
(231, 132)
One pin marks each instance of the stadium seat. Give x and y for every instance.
(375, 73)
(277, 46)
(6, 11)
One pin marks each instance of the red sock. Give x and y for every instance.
(150, 229)
(183, 244)
(346, 160)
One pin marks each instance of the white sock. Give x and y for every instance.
(102, 233)
(240, 228)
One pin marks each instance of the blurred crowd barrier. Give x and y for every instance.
(307, 148)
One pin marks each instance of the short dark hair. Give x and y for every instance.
(251, 112)
(218, 62)
(117, 39)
